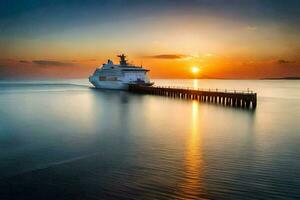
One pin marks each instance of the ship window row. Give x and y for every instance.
(104, 78)
(137, 75)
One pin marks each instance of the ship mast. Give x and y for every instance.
(123, 60)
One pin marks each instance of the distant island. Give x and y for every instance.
(282, 78)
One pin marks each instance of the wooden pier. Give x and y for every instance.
(242, 99)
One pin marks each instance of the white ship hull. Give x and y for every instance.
(112, 85)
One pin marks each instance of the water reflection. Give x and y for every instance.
(79, 142)
(192, 185)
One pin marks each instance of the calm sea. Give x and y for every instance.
(64, 140)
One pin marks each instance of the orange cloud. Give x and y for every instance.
(168, 56)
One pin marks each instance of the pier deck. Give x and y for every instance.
(243, 99)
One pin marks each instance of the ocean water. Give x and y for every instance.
(65, 140)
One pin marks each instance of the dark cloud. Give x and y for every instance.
(282, 62)
(92, 59)
(52, 63)
(168, 56)
(24, 61)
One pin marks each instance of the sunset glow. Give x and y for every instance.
(149, 99)
(235, 41)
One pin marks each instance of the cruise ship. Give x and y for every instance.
(119, 76)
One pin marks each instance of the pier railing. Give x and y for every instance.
(235, 98)
(207, 89)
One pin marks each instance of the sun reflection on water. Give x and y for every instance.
(192, 186)
(195, 84)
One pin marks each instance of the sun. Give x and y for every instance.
(195, 70)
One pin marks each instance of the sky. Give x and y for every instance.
(236, 39)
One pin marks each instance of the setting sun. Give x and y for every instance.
(195, 69)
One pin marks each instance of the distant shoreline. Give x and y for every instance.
(282, 78)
